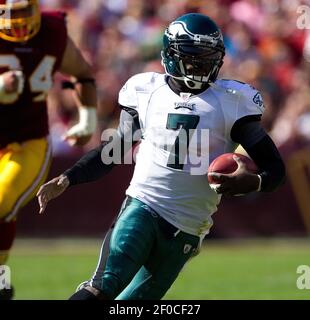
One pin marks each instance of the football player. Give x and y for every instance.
(33, 46)
(168, 208)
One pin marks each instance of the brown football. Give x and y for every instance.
(225, 163)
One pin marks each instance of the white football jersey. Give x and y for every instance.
(181, 135)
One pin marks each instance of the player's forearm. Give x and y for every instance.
(89, 168)
(271, 166)
(250, 134)
(86, 93)
(86, 100)
(76, 66)
(101, 160)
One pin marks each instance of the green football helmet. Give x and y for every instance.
(193, 50)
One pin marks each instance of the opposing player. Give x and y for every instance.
(33, 46)
(169, 202)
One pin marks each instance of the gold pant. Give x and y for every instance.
(23, 168)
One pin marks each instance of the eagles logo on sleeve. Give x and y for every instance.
(258, 100)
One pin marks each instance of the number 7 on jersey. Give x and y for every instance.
(182, 122)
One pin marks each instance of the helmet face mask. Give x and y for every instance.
(192, 57)
(20, 20)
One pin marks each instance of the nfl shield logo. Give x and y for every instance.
(185, 96)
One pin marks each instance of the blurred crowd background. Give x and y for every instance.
(264, 47)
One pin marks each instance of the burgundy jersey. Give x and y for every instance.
(39, 58)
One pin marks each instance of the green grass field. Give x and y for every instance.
(244, 269)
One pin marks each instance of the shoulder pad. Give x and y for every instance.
(248, 92)
(139, 83)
